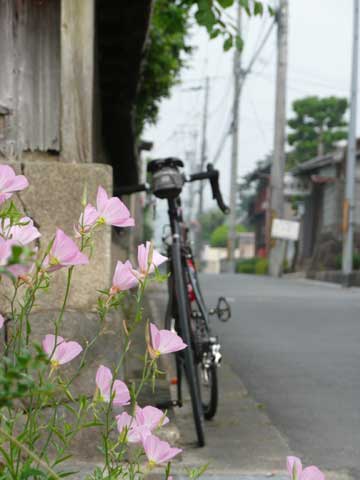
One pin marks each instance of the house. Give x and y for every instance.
(258, 216)
(69, 74)
(321, 239)
(258, 208)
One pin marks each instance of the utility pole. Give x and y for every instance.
(235, 149)
(349, 200)
(190, 156)
(198, 247)
(277, 251)
(204, 144)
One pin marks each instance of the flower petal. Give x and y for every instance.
(103, 379)
(155, 336)
(67, 351)
(48, 343)
(294, 467)
(312, 473)
(122, 394)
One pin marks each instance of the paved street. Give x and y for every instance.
(296, 346)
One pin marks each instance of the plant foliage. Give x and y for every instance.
(170, 44)
(316, 127)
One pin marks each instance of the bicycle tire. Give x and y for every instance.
(170, 314)
(210, 406)
(193, 384)
(186, 359)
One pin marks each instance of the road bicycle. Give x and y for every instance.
(186, 311)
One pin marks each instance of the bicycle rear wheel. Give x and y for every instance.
(203, 344)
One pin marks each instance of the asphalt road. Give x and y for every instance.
(296, 346)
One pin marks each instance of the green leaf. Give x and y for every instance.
(228, 43)
(32, 473)
(226, 3)
(205, 15)
(258, 8)
(245, 4)
(271, 11)
(215, 33)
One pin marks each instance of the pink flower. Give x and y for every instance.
(150, 417)
(87, 220)
(134, 432)
(158, 451)
(164, 341)
(118, 390)
(63, 352)
(2, 321)
(5, 251)
(296, 472)
(123, 278)
(112, 211)
(20, 234)
(148, 259)
(146, 420)
(10, 183)
(64, 253)
(125, 421)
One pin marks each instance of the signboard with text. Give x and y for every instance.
(285, 229)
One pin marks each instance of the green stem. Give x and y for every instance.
(66, 297)
(31, 454)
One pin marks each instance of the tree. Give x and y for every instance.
(168, 45)
(220, 235)
(316, 127)
(164, 58)
(210, 220)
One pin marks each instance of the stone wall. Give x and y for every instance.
(53, 199)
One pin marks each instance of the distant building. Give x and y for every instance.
(321, 238)
(259, 211)
(215, 258)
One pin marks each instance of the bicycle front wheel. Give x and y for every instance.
(209, 391)
(193, 384)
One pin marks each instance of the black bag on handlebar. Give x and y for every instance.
(167, 181)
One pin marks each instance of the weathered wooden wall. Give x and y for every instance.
(29, 76)
(77, 80)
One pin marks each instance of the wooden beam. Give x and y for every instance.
(77, 80)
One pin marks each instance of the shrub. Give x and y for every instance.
(258, 266)
(356, 261)
(262, 266)
(219, 236)
(246, 265)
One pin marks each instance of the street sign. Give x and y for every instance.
(296, 186)
(285, 229)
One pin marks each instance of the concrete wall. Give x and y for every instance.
(54, 199)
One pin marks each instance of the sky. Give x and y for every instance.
(319, 63)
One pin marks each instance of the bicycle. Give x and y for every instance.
(186, 310)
